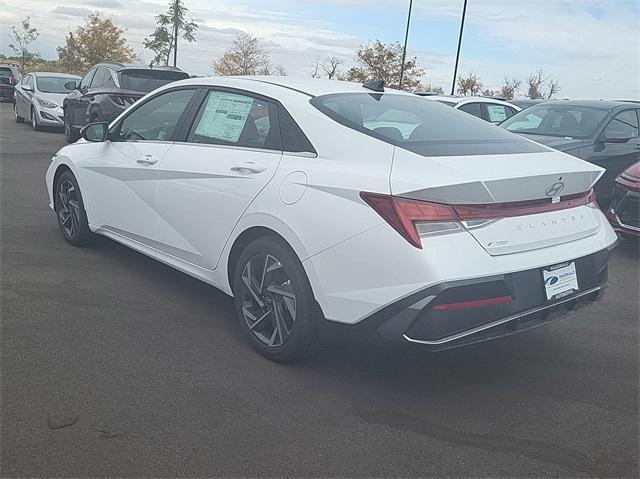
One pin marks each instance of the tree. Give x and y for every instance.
(24, 37)
(429, 88)
(99, 40)
(380, 61)
(315, 67)
(331, 66)
(245, 56)
(509, 88)
(170, 26)
(470, 85)
(541, 86)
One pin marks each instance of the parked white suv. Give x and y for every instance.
(312, 201)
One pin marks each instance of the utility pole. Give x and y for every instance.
(406, 40)
(455, 71)
(175, 43)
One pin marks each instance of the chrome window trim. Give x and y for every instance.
(484, 327)
(228, 147)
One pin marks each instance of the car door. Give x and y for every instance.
(23, 97)
(121, 173)
(208, 180)
(617, 148)
(77, 106)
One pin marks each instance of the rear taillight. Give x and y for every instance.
(415, 219)
(12, 81)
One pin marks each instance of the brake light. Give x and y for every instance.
(473, 304)
(12, 81)
(522, 208)
(415, 219)
(411, 218)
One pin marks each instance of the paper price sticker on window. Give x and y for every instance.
(224, 116)
(560, 280)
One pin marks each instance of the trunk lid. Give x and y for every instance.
(501, 179)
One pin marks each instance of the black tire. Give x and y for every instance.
(71, 135)
(34, 121)
(18, 118)
(303, 333)
(72, 217)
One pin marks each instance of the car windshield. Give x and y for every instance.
(425, 127)
(51, 84)
(148, 80)
(556, 120)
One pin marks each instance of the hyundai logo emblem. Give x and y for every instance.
(555, 189)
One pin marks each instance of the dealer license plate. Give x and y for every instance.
(560, 280)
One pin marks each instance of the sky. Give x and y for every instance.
(592, 47)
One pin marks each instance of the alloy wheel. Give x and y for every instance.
(68, 208)
(268, 300)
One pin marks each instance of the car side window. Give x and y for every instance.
(99, 78)
(86, 81)
(623, 125)
(156, 119)
(497, 113)
(236, 120)
(472, 108)
(108, 78)
(25, 80)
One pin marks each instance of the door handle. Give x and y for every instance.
(147, 160)
(248, 167)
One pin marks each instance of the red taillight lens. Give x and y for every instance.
(12, 81)
(522, 208)
(406, 215)
(478, 303)
(413, 218)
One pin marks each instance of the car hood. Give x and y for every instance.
(56, 98)
(557, 143)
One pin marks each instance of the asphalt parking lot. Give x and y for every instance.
(112, 364)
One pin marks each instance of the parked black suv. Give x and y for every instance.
(606, 133)
(108, 89)
(9, 78)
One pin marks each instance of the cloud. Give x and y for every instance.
(72, 11)
(104, 3)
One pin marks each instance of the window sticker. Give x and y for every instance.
(497, 112)
(224, 116)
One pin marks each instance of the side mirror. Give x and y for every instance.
(96, 132)
(71, 85)
(27, 88)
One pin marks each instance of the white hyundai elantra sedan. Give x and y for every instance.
(317, 202)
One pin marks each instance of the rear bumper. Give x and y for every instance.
(7, 92)
(414, 320)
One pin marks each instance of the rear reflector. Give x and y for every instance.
(414, 219)
(473, 304)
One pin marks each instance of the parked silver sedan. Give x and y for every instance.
(38, 98)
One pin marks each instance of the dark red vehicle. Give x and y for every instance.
(624, 210)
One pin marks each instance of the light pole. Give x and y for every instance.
(455, 70)
(406, 40)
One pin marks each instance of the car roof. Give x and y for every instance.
(54, 74)
(599, 104)
(266, 85)
(469, 99)
(135, 66)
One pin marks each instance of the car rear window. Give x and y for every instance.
(148, 80)
(422, 126)
(5, 72)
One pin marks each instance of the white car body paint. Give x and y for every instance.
(189, 207)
